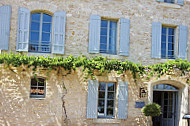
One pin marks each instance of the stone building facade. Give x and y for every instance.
(136, 28)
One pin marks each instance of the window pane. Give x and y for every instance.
(46, 27)
(110, 95)
(163, 53)
(170, 46)
(101, 103)
(34, 91)
(35, 26)
(101, 94)
(163, 31)
(40, 82)
(163, 38)
(104, 23)
(110, 87)
(34, 36)
(102, 86)
(100, 110)
(46, 18)
(45, 36)
(113, 25)
(40, 90)
(33, 47)
(33, 82)
(110, 111)
(171, 31)
(163, 46)
(35, 17)
(170, 39)
(104, 31)
(110, 103)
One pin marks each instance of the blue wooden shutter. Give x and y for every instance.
(156, 40)
(92, 100)
(59, 32)
(23, 29)
(94, 34)
(180, 2)
(160, 0)
(122, 100)
(5, 20)
(124, 36)
(182, 42)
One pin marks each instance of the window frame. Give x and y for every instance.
(105, 116)
(38, 96)
(174, 42)
(108, 36)
(40, 32)
(172, 1)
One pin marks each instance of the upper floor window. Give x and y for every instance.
(169, 1)
(168, 43)
(108, 36)
(40, 33)
(37, 88)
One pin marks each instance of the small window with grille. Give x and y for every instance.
(38, 86)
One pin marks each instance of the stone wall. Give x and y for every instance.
(140, 13)
(16, 106)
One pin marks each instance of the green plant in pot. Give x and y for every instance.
(151, 110)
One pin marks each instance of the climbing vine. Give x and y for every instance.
(89, 65)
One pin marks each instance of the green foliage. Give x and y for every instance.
(89, 65)
(151, 109)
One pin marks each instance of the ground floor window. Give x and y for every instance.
(106, 100)
(37, 88)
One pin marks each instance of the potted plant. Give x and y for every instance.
(151, 110)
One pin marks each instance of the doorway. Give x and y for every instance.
(167, 97)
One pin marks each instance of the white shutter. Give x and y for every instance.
(92, 99)
(122, 100)
(94, 34)
(124, 36)
(182, 42)
(5, 20)
(58, 44)
(156, 39)
(23, 29)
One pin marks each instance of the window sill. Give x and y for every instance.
(169, 5)
(113, 121)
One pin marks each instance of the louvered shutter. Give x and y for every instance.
(182, 42)
(23, 29)
(92, 99)
(94, 34)
(156, 40)
(5, 20)
(59, 32)
(180, 2)
(124, 36)
(122, 100)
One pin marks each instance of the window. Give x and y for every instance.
(37, 88)
(106, 100)
(169, 1)
(167, 43)
(40, 33)
(108, 36)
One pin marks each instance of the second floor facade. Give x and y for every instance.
(146, 32)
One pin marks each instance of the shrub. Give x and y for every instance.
(151, 109)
